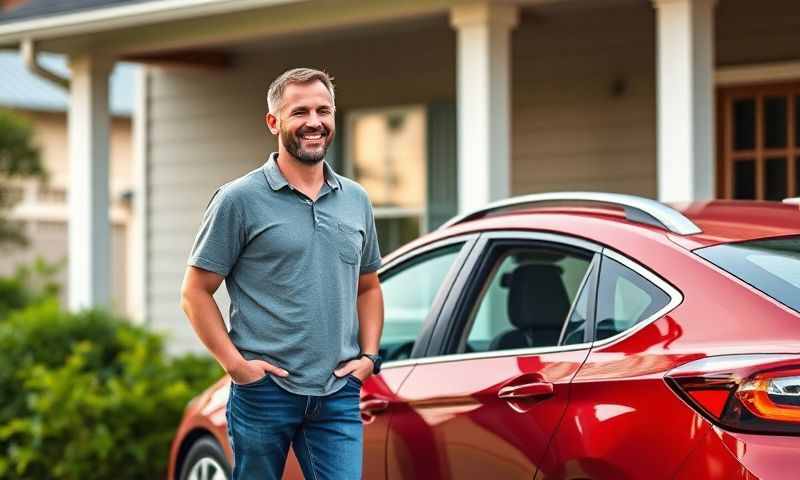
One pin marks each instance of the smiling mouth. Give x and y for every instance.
(313, 136)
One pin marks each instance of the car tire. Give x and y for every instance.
(205, 460)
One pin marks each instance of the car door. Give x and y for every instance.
(414, 288)
(492, 388)
(624, 421)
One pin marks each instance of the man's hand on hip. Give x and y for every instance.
(361, 368)
(249, 371)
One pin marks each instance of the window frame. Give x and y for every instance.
(727, 156)
(450, 330)
(422, 342)
(590, 284)
(675, 295)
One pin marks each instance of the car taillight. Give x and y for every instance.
(772, 395)
(747, 393)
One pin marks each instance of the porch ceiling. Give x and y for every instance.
(151, 33)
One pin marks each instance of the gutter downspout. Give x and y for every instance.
(28, 52)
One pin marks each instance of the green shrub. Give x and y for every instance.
(30, 284)
(89, 396)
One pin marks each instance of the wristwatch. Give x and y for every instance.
(376, 361)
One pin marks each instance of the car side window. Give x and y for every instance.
(526, 298)
(624, 298)
(409, 291)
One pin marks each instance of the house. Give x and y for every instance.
(43, 205)
(672, 99)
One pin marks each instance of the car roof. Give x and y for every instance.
(724, 221)
(721, 221)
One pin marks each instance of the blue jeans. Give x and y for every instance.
(325, 432)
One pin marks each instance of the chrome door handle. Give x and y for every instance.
(526, 390)
(371, 407)
(374, 405)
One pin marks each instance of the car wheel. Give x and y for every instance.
(205, 461)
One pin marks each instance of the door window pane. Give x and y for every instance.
(775, 181)
(744, 124)
(775, 122)
(624, 298)
(409, 291)
(744, 179)
(526, 299)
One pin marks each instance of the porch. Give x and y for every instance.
(442, 106)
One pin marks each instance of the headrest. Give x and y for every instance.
(537, 297)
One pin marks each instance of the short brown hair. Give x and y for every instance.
(295, 75)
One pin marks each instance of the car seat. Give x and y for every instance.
(538, 305)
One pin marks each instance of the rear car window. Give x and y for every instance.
(624, 299)
(771, 266)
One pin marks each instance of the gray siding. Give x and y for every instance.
(203, 131)
(569, 130)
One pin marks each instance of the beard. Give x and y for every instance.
(308, 156)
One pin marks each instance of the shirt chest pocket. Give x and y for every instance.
(348, 242)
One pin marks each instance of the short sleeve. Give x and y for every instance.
(221, 237)
(370, 254)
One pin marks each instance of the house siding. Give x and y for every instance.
(570, 130)
(203, 130)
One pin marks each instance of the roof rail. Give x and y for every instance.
(637, 209)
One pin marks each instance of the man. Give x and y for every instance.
(297, 248)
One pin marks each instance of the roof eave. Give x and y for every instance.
(125, 16)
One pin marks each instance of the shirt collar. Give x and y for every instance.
(277, 181)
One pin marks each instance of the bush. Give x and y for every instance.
(89, 396)
(29, 285)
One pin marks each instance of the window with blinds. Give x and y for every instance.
(759, 142)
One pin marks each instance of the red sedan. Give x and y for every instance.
(576, 336)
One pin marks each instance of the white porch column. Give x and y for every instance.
(484, 101)
(686, 138)
(89, 225)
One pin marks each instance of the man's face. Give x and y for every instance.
(305, 122)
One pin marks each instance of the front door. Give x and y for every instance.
(505, 349)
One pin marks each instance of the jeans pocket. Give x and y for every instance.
(355, 379)
(253, 383)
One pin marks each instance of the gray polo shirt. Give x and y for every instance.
(291, 268)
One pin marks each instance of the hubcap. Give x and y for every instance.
(207, 469)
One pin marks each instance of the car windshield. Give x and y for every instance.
(772, 265)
